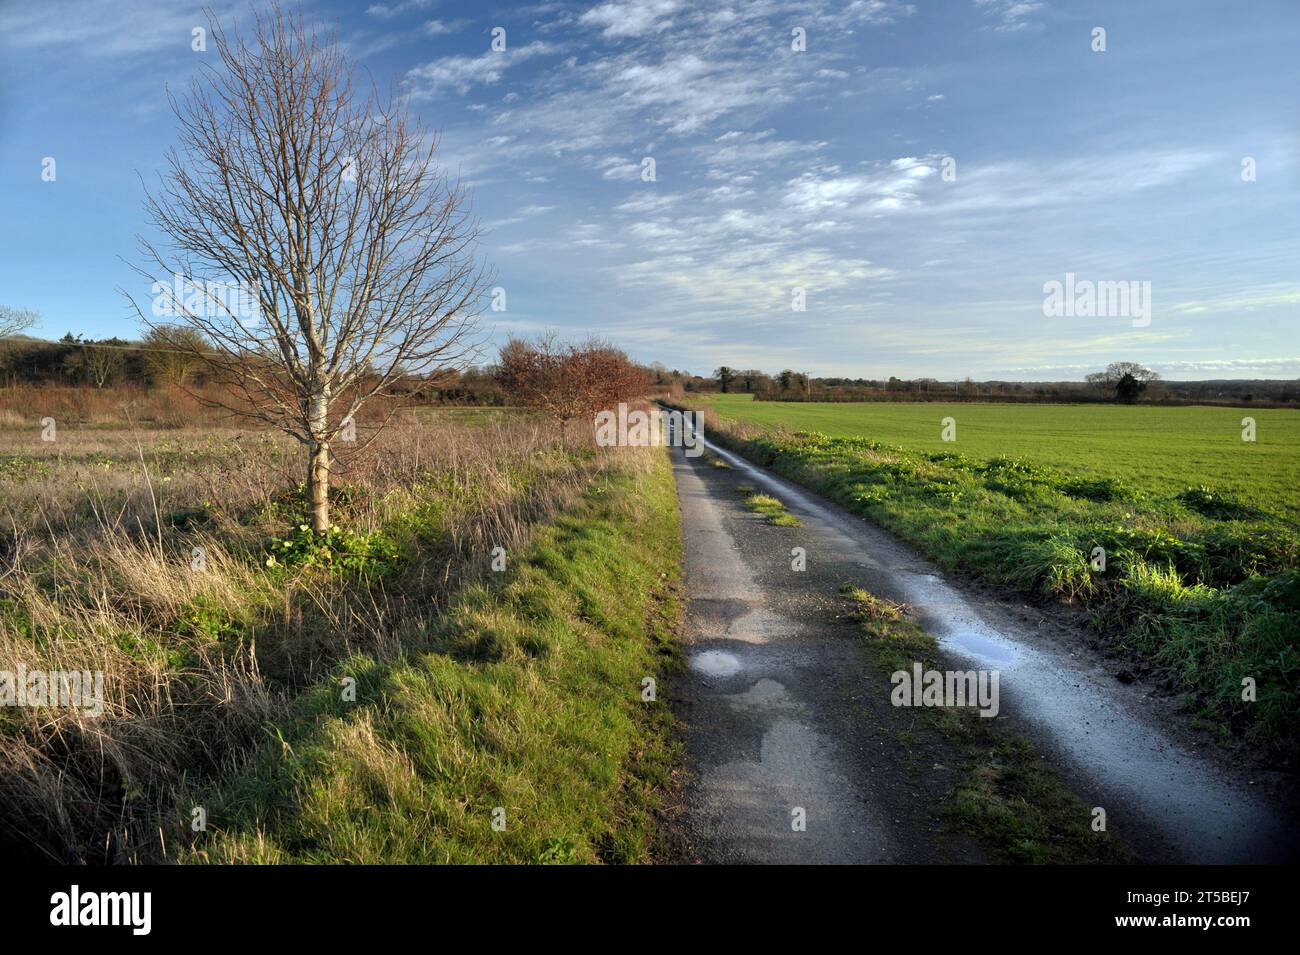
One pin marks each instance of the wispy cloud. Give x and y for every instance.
(443, 27)
(104, 28)
(628, 18)
(1014, 15)
(460, 73)
(388, 11)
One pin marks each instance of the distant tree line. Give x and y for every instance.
(1126, 382)
(159, 358)
(173, 355)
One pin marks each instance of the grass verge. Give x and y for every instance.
(514, 731)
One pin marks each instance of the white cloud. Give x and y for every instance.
(616, 167)
(877, 11)
(443, 27)
(630, 18)
(735, 152)
(522, 215)
(1282, 297)
(463, 72)
(883, 187)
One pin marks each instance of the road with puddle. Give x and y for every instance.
(785, 767)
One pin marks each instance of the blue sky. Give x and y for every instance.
(774, 169)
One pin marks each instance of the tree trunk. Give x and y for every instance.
(318, 486)
(318, 467)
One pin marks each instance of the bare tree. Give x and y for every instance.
(313, 241)
(173, 353)
(103, 361)
(14, 321)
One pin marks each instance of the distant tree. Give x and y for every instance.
(1126, 379)
(97, 363)
(755, 380)
(1129, 388)
(725, 377)
(15, 321)
(174, 353)
(785, 379)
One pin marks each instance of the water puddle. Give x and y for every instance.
(765, 693)
(715, 663)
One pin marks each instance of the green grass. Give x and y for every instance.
(525, 696)
(1007, 798)
(772, 509)
(1155, 450)
(1202, 573)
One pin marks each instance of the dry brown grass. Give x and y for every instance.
(23, 406)
(96, 536)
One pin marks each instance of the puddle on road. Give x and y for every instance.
(989, 651)
(950, 618)
(764, 693)
(739, 620)
(715, 663)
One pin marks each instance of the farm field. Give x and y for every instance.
(1160, 449)
(1198, 582)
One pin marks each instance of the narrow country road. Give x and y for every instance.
(784, 722)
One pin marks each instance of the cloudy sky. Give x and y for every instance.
(775, 169)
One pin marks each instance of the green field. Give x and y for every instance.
(1163, 450)
(1200, 584)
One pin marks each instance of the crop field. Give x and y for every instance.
(1159, 450)
(1199, 582)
